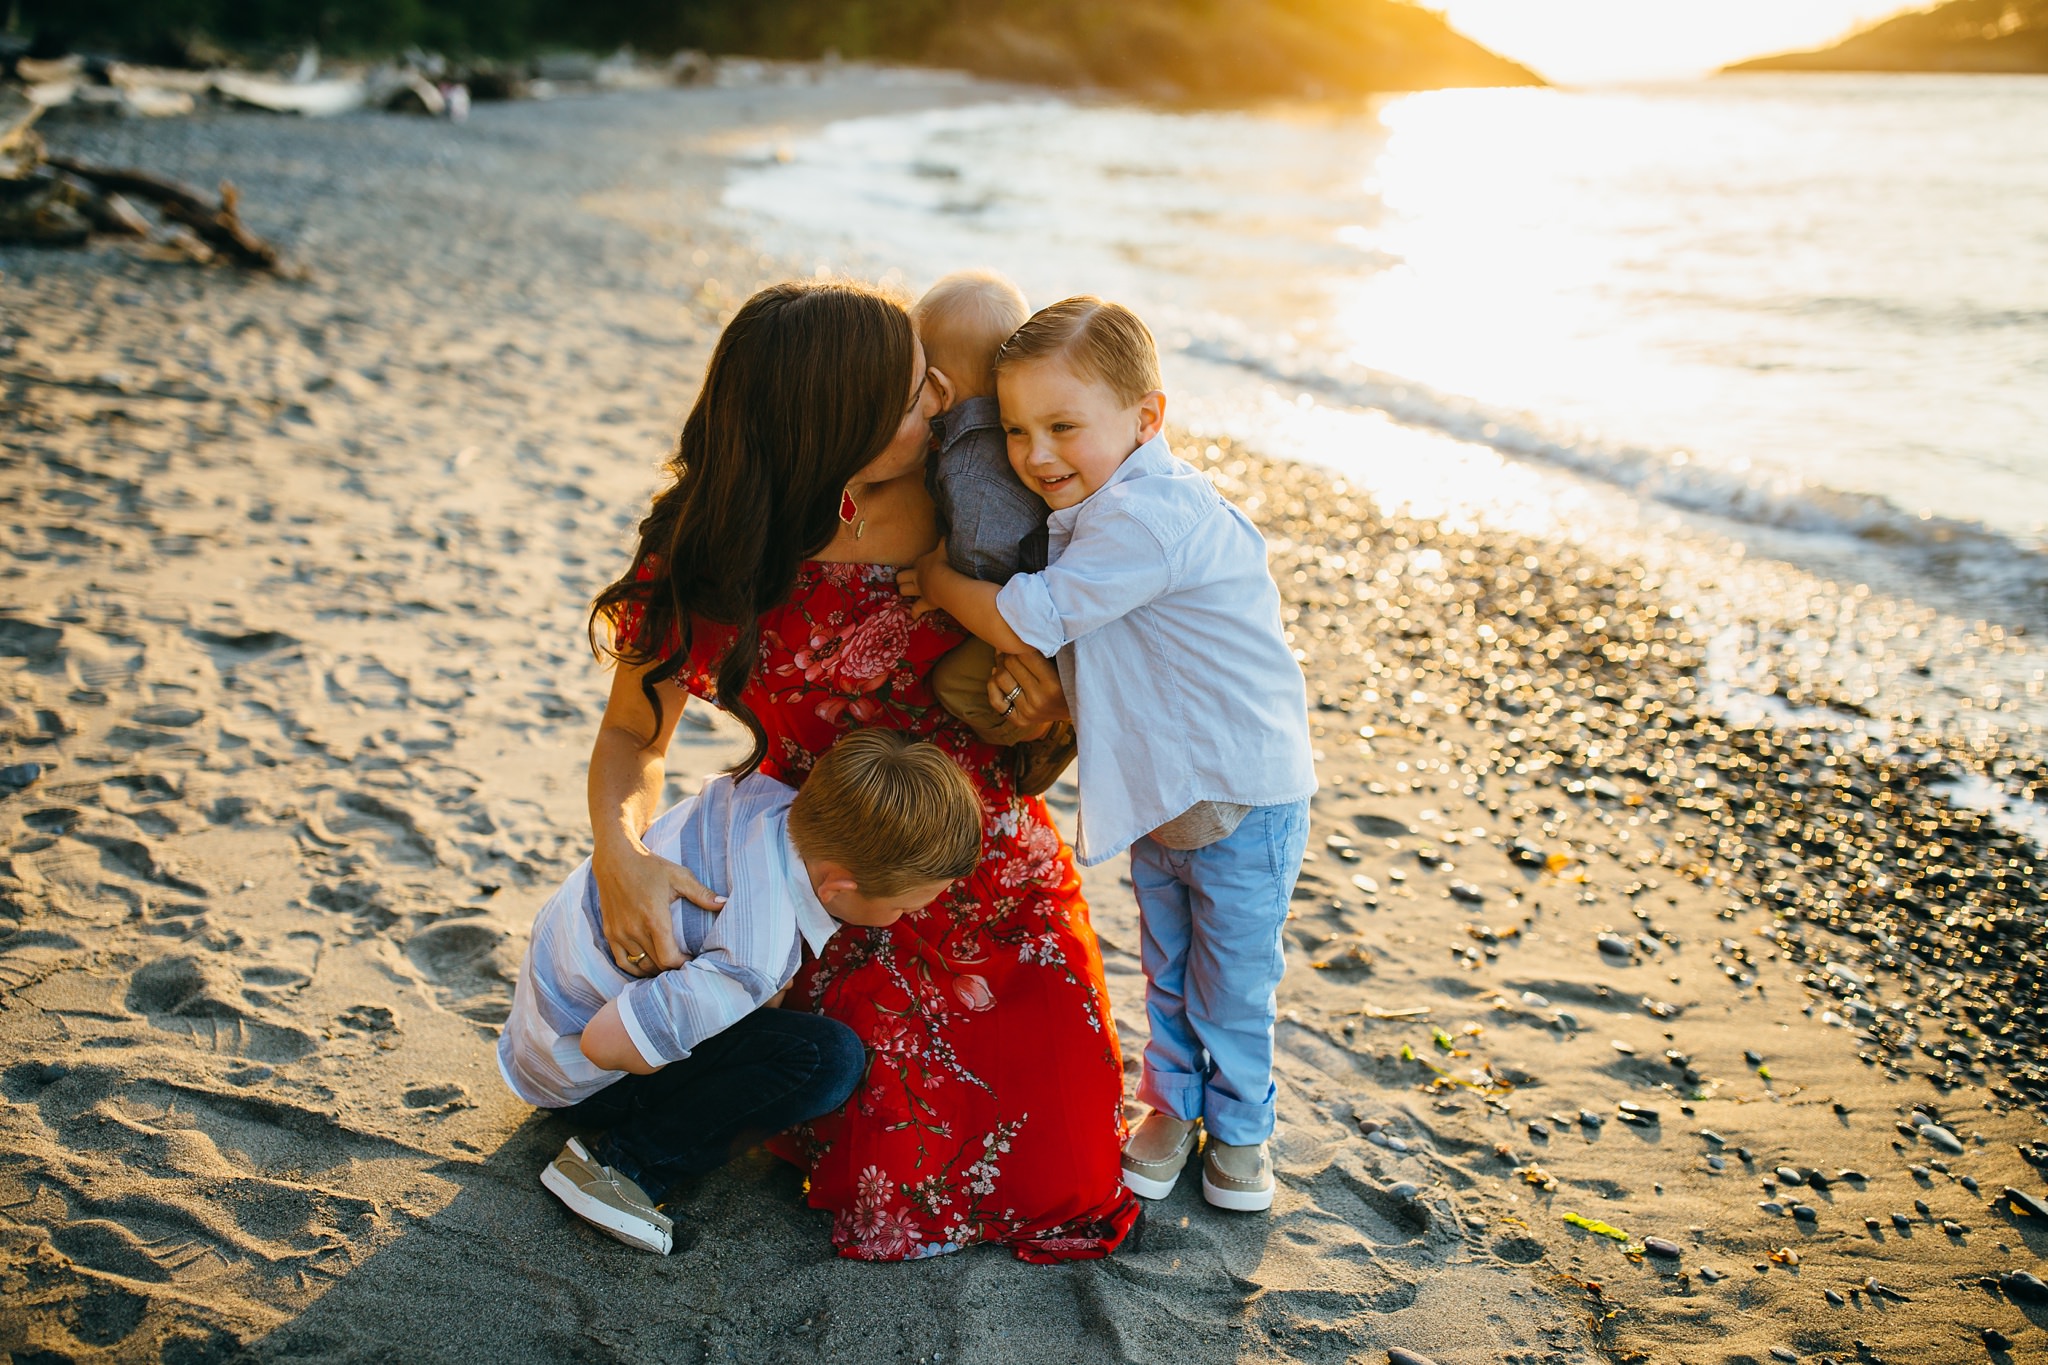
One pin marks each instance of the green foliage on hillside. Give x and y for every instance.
(1174, 49)
(1963, 35)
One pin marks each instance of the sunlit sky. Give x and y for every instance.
(1586, 41)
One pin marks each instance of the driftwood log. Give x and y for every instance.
(219, 226)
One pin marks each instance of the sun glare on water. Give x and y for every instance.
(1487, 197)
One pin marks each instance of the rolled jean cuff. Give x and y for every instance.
(1178, 1095)
(1241, 1123)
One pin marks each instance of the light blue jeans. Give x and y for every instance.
(1209, 922)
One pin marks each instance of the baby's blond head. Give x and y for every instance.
(963, 321)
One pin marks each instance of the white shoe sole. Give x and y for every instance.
(634, 1232)
(1240, 1201)
(1148, 1188)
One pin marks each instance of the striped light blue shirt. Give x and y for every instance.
(1166, 623)
(734, 836)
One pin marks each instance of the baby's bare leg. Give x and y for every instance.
(960, 682)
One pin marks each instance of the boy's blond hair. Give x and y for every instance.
(1101, 341)
(963, 320)
(896, 813)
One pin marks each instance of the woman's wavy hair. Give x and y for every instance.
(806, 386)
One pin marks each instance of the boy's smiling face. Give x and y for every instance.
(1068, 432)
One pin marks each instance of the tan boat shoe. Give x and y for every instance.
(608, 1201)
(1156, 1154)
(1238, 1178)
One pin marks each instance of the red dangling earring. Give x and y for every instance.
(848, 510)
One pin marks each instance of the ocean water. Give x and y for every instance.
(1785, 335)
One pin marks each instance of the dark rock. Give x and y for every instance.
(20, 776)
(1660, 1247)
(2022, 1202)
(2023, 1286)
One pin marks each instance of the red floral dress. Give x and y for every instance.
(992, 1110)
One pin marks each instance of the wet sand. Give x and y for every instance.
(295, 579)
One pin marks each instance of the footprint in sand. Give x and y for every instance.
(473, 965)
(365, 901)
(187, 995)
(439, 1099)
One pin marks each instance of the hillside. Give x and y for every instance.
(1964, 35)
(1205, 50)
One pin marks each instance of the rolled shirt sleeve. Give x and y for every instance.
(669, 1014)
(1116, 566)
(749, 952)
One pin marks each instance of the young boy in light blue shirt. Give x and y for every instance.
(1192, 714)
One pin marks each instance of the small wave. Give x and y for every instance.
(1954, 550)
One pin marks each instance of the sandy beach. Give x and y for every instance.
(296, 706)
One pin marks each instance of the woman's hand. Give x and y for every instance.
(1041, 699)
(635, 891)
(634, 887)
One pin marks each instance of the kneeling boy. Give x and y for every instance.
(685, 1069)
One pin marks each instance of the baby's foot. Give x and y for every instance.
(1039, 762)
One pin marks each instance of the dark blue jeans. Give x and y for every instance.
(770, 1071)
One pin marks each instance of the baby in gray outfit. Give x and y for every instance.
(994, 526)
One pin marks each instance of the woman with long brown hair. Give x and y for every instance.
(764, 581)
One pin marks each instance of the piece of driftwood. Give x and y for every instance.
(219, 227)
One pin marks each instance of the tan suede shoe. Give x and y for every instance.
(1238, 1178)
(607, 1200)
(1157, 1151)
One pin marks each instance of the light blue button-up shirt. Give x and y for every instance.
(1166, 624)
(734, 836)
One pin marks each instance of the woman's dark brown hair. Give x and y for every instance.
(806, 386)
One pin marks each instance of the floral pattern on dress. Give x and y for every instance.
(991, 1110)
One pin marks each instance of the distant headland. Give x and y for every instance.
(2009, 36)
(1223, 50)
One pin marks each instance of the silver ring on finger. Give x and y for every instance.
(1012, 695)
